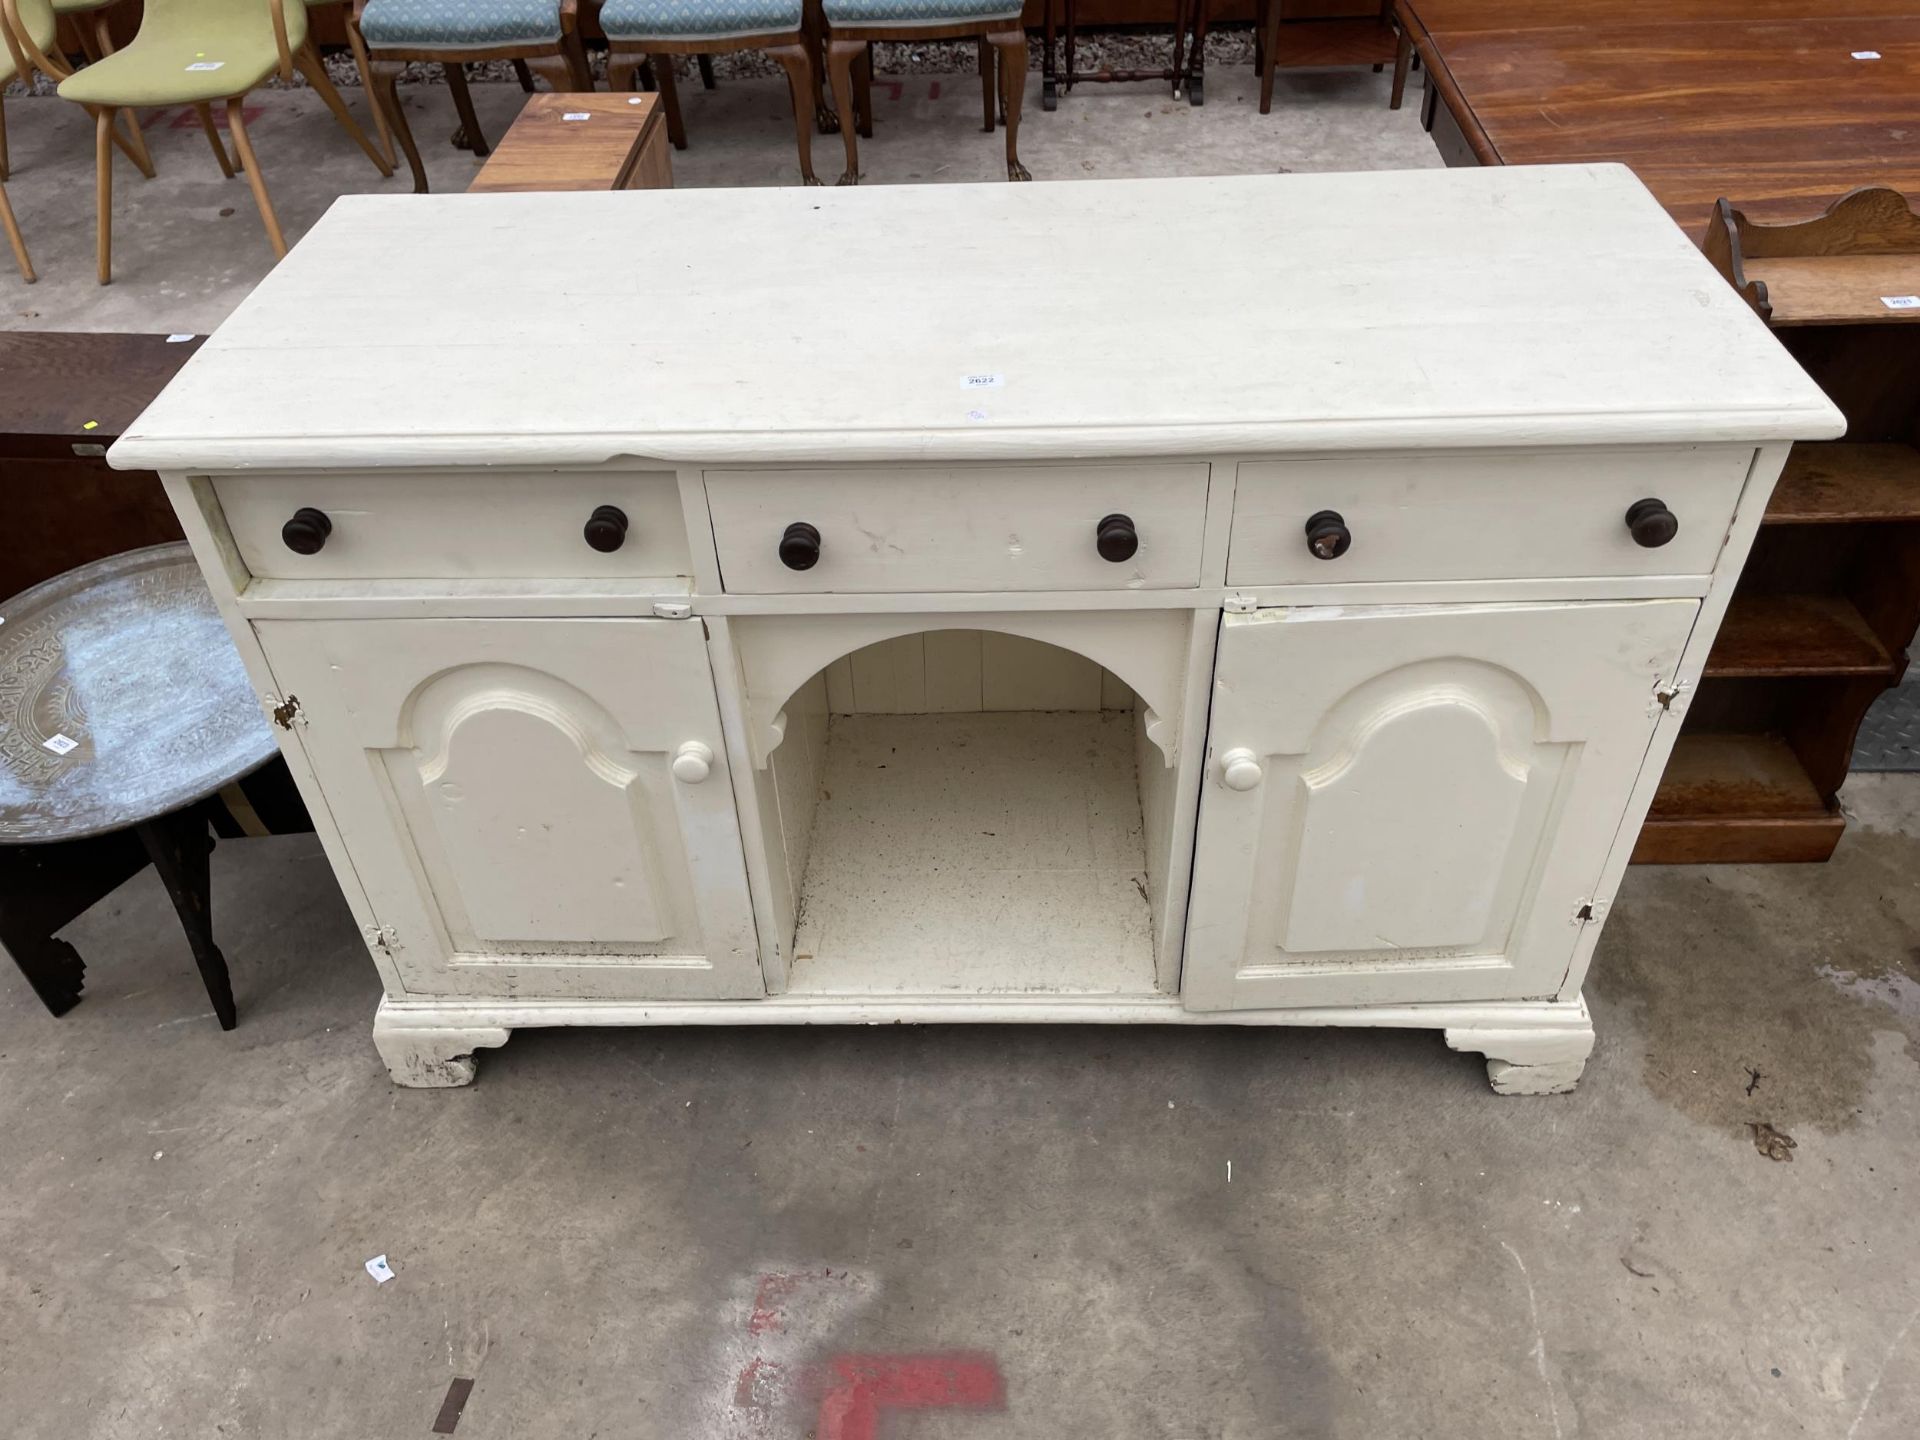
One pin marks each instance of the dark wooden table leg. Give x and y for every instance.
(1049, 75)
(178, 845)
(46, 887)
(1197, 72)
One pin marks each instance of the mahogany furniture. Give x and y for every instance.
(64, 398)
(581, 142)
(1786, 105)
(1187, 69)
(1284, 41)
(854, 25)
(653, 32)
(1758, 99)
(1830, 599)
(971, 677)
(539, 36)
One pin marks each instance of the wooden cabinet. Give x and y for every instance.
(972, 674)
(536, 808)
(1416, 805)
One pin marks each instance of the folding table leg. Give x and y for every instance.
(178, 845)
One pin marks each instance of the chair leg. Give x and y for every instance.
(799, 66)
(386, 93)
(813, 31)
(1012, 45)
(1269, 46)
(705, 62)
(1402, 56)
(863, 91)
(102, 33)
(579, 71)
(103, 194)
(622, 71)
(523, 75)
(841, 55)
(179, 846)
(213, 138)
(133, 144)
(15, 238)
(364, 64)
(6, 168)
(987, 96)
(470, 136)
(307, 59)
(237, 123)
(669, 98)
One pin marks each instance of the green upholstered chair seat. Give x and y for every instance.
(459, 24)
(79, 7)
(188, 51)
(697, 19)
(916, 12)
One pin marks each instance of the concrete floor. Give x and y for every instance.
(695, 1235)
(188, 245)
(679, 1235)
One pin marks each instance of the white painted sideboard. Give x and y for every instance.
(801, 606)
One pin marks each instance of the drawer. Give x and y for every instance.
(925, 528)
(1504, 516)
(510, 524)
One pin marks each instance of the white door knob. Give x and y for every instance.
(1240, 770)
(692, 763)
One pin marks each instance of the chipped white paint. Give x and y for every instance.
(1214, 781)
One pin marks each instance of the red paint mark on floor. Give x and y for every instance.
(770, 1298)
(865, 1386)
(933, 90)
(761, 1383)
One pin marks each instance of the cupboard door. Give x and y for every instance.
(535, 808)
(1408, 804)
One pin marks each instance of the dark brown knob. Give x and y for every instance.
(1652, 524)
(1116, 539)
(800, 546)
(606, 529)
(1327, 535)
(307, 531)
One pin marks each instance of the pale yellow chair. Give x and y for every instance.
(198, 52)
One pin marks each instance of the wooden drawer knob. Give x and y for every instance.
(1116, 539)
(306, 533)
(800, 546)
(1651, 523)
(1327, 535)
(606, 529)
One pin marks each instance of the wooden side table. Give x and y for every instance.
(581, 142)
(126, 720)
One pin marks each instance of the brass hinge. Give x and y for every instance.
(1670, 696)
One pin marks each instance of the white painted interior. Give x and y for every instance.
(1397, 787)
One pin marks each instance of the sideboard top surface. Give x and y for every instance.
(1249, 314)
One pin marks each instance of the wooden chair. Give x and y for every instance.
(15, 66)
(31, 27)
(652, 32)
(853, 26)
(540, 36)
(1329, 43)
(197, 52)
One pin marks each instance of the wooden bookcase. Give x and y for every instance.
(1830, 598)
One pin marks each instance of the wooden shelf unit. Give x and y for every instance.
(1830, 598)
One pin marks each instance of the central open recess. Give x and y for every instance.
(962, 813)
